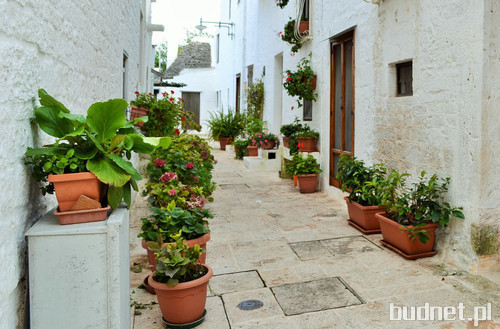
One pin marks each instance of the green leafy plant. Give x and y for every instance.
(303, 166)
(254, 96)
(162, 223)
(261, 139)
(240, 148)
(145, 100)
(177, 262)
(227, 125)
(281, 3)
(307, 133)
(290, 37)
(354, 176)
(299, 83)
(101, 140)
(290, 129)
(418, 205)
(253, 126)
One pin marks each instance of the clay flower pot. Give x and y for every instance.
(184, 303)
(307, 144)
(252, 151)
(223, 141)
(201, 241)
(295, 180)
(82, 216)
(269, 145)
(396, 238)
(137, 112)
(69, 187)
(308, 183)
(363, 217)
(285, 141)
(303, 27)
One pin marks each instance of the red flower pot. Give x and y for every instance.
(285, 141)
(252, 151)
(295, 180)
(184, 303)
(364, 216)
(308, 183)
(223, 141)
(303, 27)
(307, 144)
(396, 236)
(137, 112)
(269, 145)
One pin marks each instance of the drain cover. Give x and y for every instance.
(251, 304)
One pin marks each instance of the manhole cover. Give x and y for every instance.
(251, 304)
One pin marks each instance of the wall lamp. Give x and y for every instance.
(229, 26)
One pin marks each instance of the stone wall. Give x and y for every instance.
(74, 50)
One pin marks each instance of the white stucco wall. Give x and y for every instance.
(74, 50)
(447, 127)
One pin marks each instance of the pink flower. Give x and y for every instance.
(155, 227)
(159, 162)
(167, 177)
(189, 165)
(172, 192)
(265, 140)
(292, 54)
(261, 143)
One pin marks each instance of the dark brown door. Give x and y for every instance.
(341, 101)
(237, 101)
(192, 104)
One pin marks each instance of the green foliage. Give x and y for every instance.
(300, 82)
(418, 205)
(261, 139)
(254, 126)
(354, 176)
(303, 166)
(144, 100)
(240, 148)
(161, 56)
(162, 223)
(177, 262)
(307, 133)
(289, 36)
(290, 129)
(228, 125)
(255, 99)
(281, 3)
(101, 140)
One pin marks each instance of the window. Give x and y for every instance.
(237, 101)
(192, 104)
(217, 48)
(305, 12)
(250, 75)
(404, 78)
(307, 114)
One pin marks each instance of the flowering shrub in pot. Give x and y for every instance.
(264, 140)
(306, 140)
(289, 130)
(301, 83)
(363, 200)
(140, 106)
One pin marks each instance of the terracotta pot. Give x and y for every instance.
(252, 151)
(308, 183)
(269, 145)
(184, 303)
(69, 187)
(223, 141)
(364, 216)
(201, 241)
(137, 112)
(285, 141)
(303, 27)
(314, 81)
(396, 236)
(307, 144)
(82, 216)
(295, 180)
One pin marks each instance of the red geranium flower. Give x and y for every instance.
(177, 132)
(172, 91)
(289, 79)
(171, 99)
(183, 118)
(182, 99)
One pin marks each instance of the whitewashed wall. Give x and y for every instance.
(74, 50)
(449, 124)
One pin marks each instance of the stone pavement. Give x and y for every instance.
(297, 255)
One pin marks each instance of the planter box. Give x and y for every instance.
(253, 151)
(223, 141)
(79, 274)
(307, 144)
(396, 237)
(363, 217)
(138, 112)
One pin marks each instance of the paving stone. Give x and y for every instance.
(312, 296)
(279, 276)
(307, 250)
(270, 310)
(349, 245)
(232, 282)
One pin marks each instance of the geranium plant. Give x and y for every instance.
(261, 139)
(299, 83)
(290, 37)
(144, 100)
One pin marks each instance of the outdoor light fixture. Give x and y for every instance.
(229, 26)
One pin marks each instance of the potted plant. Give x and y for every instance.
(180, 282)
(225, 127)
(307, 171)
(140, 106)
(302, 82)
(264, 141)
(307, 139)
(281, 3)
(293, 38)
(92, 147)
(240, 148)
(289, 130)
(363, 200)
(291, 166)
(409, 223)
(163, 223)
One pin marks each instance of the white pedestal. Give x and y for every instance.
(79, 274)
(264, 161)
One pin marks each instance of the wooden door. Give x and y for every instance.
(341, 101)
(192, 104)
